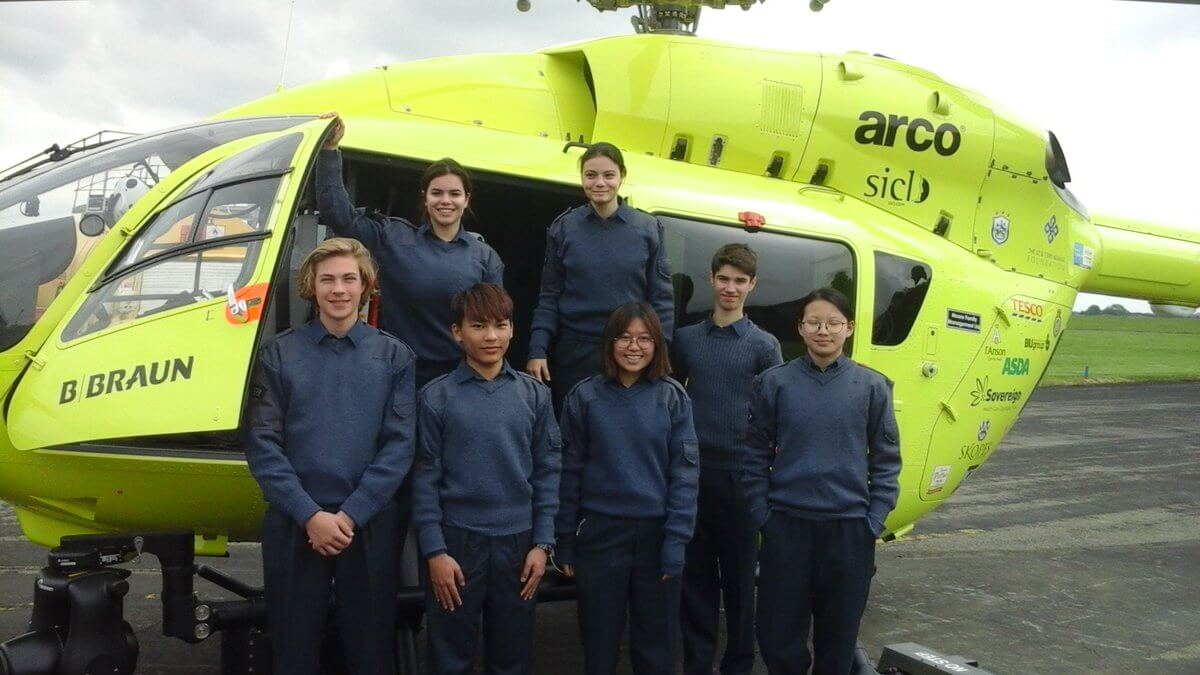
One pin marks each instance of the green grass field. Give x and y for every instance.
(1126, 349)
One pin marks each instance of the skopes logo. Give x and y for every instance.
(899, 189)
(981, 448)
(1029, 311)
(1015, 365)
(920, 134)
(982, 395)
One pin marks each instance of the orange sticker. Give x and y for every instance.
(255, 298)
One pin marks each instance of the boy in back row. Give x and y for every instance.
(718, 360)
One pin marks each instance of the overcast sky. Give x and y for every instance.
(1114, 80)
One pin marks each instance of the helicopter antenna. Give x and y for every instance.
(287, 39)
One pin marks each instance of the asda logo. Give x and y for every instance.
(919, 134)
(1015, 365)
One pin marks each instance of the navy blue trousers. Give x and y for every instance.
(721, 558)
(812, 573)
(618, 568)
(574, 359)
(492, 568)
(300, 582)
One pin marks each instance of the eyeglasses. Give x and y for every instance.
(834, 326)
(626, 341)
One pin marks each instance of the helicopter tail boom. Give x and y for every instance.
(1156, 263)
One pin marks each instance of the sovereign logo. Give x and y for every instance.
(982, 394)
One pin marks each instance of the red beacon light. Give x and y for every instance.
(753, 222)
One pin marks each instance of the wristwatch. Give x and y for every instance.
(548, 548)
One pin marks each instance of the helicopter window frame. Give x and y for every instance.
(253, 243)
(779, 318)
(897, 305)
(147, 231)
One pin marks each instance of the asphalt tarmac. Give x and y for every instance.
(1075, 549)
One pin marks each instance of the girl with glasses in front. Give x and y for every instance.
(627, 501)
(820, 479)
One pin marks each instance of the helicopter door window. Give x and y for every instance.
(176, 281)
(789, 267)
(241, 208)
(900, 288)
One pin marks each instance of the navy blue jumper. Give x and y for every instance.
(331, 426)
(418, 272)
(718, 366)
(824, 444)
(629, 452)
(485, 490)
(592, 266)
(489, 457)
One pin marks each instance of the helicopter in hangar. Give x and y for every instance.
(138, 276)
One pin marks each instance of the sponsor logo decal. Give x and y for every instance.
(898, 190)
(981, 447)
(1015, 365)
(1000, 224)
(1045, 260)
(1083, 256)
(1057, 323)
(964, 321)
(1036, 344)
(941, 474)
(1051, 229)
(126, 379)
(1029, 311)
(983, 395)
(919, 134)
(995, 336)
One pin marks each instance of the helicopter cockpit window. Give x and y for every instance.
(52, 216)
(271, 157)
(900, 288)
(176, 281)
(241, 208)
(789, 267)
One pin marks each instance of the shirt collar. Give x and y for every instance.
(837, 366)
(426, 230)
(739, 327)
(316, 332)
(463, 372)
(624, 214)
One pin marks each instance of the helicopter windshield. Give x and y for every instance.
(52, 218)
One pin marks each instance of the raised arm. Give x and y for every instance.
(883, 457)
(336, 210)
(397, 444)
(683, 486)
(269, 465)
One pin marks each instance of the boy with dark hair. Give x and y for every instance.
(718, 360)
(329, 439)
(485, 494)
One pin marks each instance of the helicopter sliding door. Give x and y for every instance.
(162, 341)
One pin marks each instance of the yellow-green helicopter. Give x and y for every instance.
(139, 275)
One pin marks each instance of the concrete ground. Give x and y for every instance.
(1075, 549)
